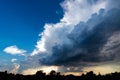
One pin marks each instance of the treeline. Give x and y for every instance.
(53, 75)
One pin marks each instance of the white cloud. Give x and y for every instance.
(80, 10)
(53, 35)
(57, 34)
(13, 60)
(14, 50)
(100, 4)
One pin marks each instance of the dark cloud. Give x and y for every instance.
(87, 41)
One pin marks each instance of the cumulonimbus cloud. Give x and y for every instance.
(86, 43)
(74, 12)
(81, 34)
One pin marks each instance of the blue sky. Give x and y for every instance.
(71, 39)
(22, 20)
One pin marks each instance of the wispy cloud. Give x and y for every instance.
(14, 50)
(15, 68)
(13, 60)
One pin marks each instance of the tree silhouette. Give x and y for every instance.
(40, 73)
(53, 75)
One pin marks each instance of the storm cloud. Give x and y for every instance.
(88, 39)
(88, 32)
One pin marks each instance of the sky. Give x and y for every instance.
(70, 36)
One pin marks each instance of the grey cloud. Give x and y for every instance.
(113, 4)
(87, 41)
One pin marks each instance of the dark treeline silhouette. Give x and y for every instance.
(53, 75)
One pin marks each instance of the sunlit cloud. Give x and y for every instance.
(45, 69)
(73, 73)
(102, 69)
(14, 50)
